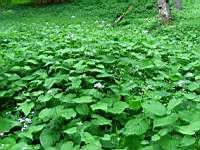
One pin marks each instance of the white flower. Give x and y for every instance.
(24, 148)
(149, 86)
(72, 17)
(49, 91)
(98, 85)
(9, 112)
(28, 120)
(70, 35)
(189, 75)
(1, 134)
(108, 25)
(21, 120)
(79, 123)
(145, 31)
(181, 82)
(24, 127)
(2, 145)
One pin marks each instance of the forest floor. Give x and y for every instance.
(69, 80)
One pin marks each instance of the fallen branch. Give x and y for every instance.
(121, 17)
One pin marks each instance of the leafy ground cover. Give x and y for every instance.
(70, 81)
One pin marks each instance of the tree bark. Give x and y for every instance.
(178, 4)
(164, 11)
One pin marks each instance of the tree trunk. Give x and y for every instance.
(178, 4)
(164, 11)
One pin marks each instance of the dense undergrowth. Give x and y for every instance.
(70, 81)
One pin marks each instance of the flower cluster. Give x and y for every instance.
(25, 126)
(25, 122)
(98, 85)
(182, 82)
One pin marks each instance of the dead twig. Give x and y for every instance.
(121, 17)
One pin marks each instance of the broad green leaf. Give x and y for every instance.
(108, 59)
(190, 129)
(187, 141)
(58, 96)
(67, 113)
(49, 137)
(49, 82)
(136, 127)
(82, 109)
(27, 68)
(59, 111)
(173, 103)
(154, 107)
(48, 113)
(135, 104)
(100, 120)
(83, 99)
(106, 141)
(71, 131)
(68, 146)
(150, 46)
(32, 61)
(32, 129)
(20, 145)
(8, 142)
(26, 107)
(50, 148)
(147, 148)
(104, 74)
(93, 92)
(88, 138)
(193, 86)
(192, 96)
(16, 68)
(155, 137)
(118, 107)
(68, 98)
(100, 106)
(44, 98)
(169, 142)
(164, 131)
(126, 87)
(76, 83)
(7, 124)
(28, 78)
(189, 116)
(164, 121)
(37, 93)
(92, 146)
(14, 77)
(4, 93)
